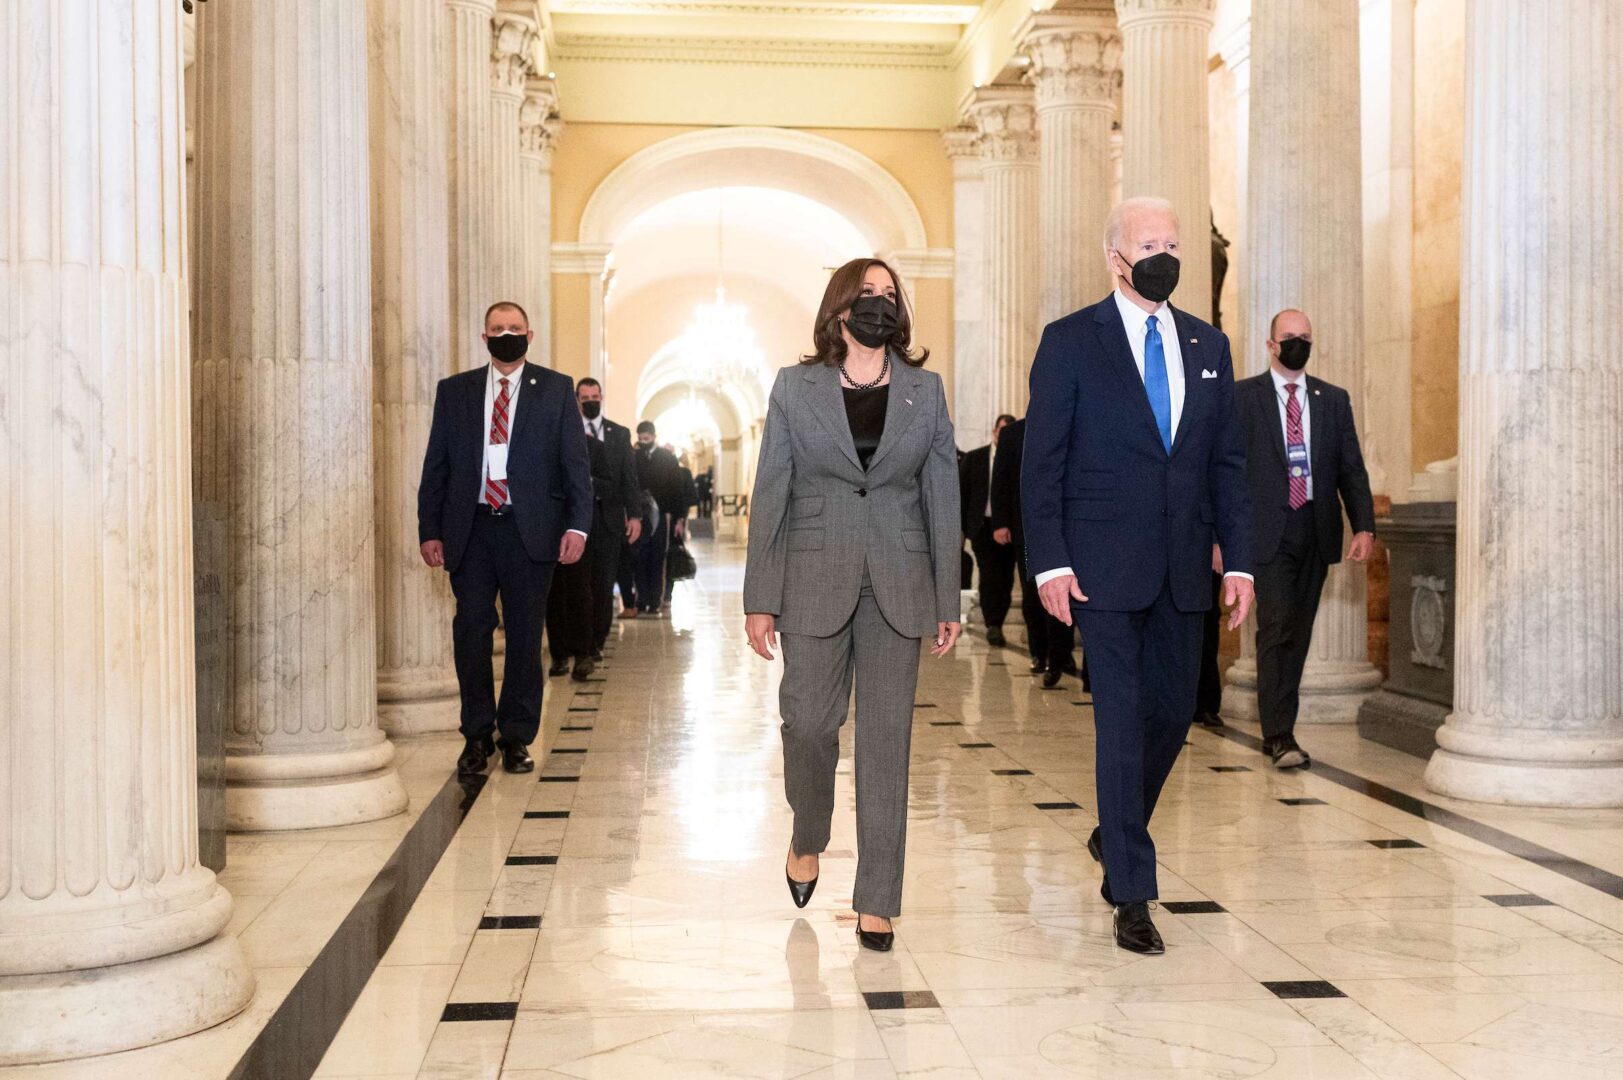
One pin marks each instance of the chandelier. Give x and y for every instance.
(719, 345)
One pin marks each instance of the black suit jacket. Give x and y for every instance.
(614, 474)
(1011, 447)
(1335, 459)
(974, 478)
(549, 478)
(659, 474)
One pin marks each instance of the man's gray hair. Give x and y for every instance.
(1119, 213)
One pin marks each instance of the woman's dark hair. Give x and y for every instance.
(828, 344)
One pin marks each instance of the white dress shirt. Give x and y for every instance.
(1307, 415)
(492, 386)
(991, 470)
(594, 428)
(1137, 321)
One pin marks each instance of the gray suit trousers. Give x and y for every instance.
(814, 698)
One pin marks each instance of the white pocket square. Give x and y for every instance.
(1204, 374)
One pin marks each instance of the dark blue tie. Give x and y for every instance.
(1155, 382)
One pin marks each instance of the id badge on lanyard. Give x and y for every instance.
(1296, 459)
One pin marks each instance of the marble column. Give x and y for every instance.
(1076, 71)
(472, 156)
(1538, 684)
(1005, 120)
(417, 687)
(974, 388)
(513, 38)
(282, 407)
(112, 934)
(1304, 249)
(1165, 140)
(539, 127)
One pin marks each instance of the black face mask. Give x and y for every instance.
(591, 409)
(874, 320)
(649, 445)
(1154, 277)
(508, 347)
(1293, 352)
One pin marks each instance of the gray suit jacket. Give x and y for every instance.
(816, 517)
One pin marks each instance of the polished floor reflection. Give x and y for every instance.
(624, 913)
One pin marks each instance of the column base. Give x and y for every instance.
(273, 792)
(1526, 768)
(418, 706)
(1331, 692)
(76, 1014)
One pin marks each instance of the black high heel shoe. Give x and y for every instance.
(800, 891)
(877, 940)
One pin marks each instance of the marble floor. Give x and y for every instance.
(623, 913)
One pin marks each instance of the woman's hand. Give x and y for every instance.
(762, 631)
(946, 636)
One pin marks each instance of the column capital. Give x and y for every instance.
(1005, 119)
(963, 147)
(1075, 58)
(512, 51)
(539, 124)
(1134, 13)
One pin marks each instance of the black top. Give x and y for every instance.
(865, 412)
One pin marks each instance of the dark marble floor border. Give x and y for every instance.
(1574, 869)
(293, 1043)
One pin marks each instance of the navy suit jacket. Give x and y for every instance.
(549, 472)
(1101, 495)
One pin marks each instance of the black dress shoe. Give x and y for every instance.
(1038, 665)
(994, 636)
(1051, 678)
(597, 656)
(583, 668)
(1208, 720)
(1068, 666)
(877, 940)
(517, 759)
(559, 667)
(1285, 754)
(475, 756)
(1135, 932)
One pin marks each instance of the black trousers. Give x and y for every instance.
(996, 563)
(1047, 639)
(649, 558)
(496, 564)
(1288, 588)
(626, 574)
(603, 553)
(1209, 695)
(1144, 673)
(580, 608)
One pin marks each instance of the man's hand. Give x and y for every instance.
(1363, 544)
(1217, 559)
(1057, 594)
(679, 527)
(633, 529)
(1238, 594)
(1003, 536)
(571, 547)
(434, 552)
(946, 636)
(762, 630)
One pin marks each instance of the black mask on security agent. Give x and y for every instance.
(1154, 276)
(591, 409)
(874, 320)
(1293, 352)
(508, 348)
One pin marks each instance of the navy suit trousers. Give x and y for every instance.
(1144, 667)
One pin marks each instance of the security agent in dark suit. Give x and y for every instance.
(1134, 465)
(657, 474)
(995, 560)
(1305, 467)
(506, 495)
(1049, 641)
(580, 608)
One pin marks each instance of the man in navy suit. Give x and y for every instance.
(1134, 464)
(506, 495)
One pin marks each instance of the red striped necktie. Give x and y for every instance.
(496, 490)
(1294, 436)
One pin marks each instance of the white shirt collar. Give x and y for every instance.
(1134, 317)
(1280, 381)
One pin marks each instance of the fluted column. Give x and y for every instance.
(282, 407)
(1304, 239)
(1076, 70)
(417, 687)
(1006, 122)
(512, 41)
(112, 934)
(539, 127)
(471, 153)
(974, 380)
(1165, 144)
(1538, 683)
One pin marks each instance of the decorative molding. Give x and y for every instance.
(918, 263)
(512, 51)
(1074, 60)
(1006, 119)
(1133, 13)
(750, 51)
(539, 124)
(577, 258)
(915, 14)
(962, 142)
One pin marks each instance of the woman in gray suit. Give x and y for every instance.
(853, 559)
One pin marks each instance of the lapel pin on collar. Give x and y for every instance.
(1194, 341)
(532, 382)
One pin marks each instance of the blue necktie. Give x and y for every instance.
(1155, 382)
